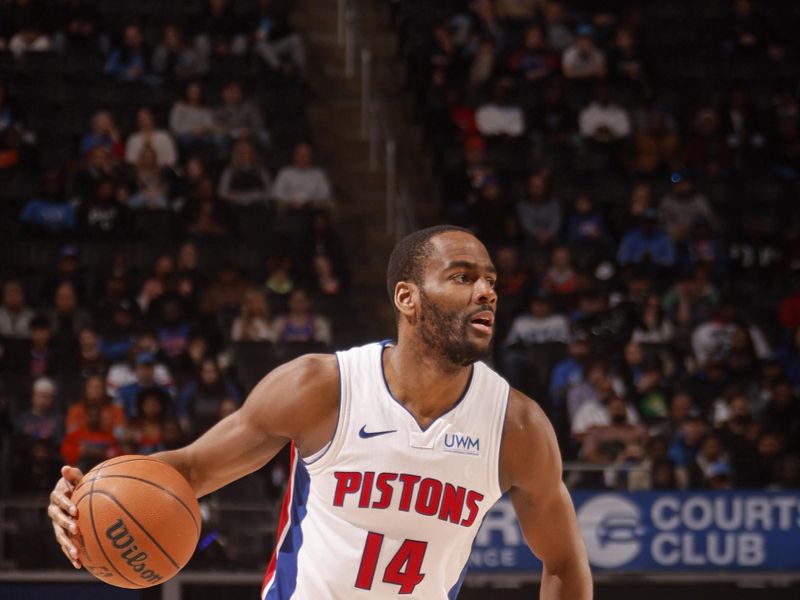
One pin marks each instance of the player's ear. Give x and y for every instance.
(406, 299)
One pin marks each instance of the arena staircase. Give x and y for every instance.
(335, 116)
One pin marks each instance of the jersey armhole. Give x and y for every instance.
(495, 480)
(331, 449)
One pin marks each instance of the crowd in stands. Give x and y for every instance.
(634, 168)
(167, 235)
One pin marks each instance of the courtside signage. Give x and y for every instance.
(649, 531)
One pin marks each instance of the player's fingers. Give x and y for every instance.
(62, 520)
(59, 499)
(71, 475)
(67, 547)
(72, 560)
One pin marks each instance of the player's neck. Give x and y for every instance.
(424, 385)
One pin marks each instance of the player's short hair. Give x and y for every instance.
(408, 258)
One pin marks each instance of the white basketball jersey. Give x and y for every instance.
(388, 509)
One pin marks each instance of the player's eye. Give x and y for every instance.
(461, 278)
(492, 282)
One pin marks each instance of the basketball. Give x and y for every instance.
(139, 521)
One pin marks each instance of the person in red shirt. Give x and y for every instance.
(89, 445)
(112, 417)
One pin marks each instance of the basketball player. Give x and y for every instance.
(398, 449)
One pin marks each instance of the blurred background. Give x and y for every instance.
(193, 192)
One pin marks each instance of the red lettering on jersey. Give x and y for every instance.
(385, 489)
(428, 497)
(472, 504)
(409, 481)
(452, 503)
(366, 490)
(347, 482)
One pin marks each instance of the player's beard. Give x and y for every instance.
(447, 334)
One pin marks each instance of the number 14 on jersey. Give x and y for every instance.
(403, 570)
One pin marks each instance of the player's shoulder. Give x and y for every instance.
(524, 416)
(311, 373)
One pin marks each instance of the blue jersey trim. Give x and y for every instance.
(285, 580)
(453, 593)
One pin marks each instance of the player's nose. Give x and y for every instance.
(485, 292)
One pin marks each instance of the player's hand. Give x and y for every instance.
(63, 513)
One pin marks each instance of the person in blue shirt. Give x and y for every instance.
(569, 371)
(129, 62)
(49, 212)
(647, 244)
(127, 396)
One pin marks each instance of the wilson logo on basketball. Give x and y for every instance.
(121, 539)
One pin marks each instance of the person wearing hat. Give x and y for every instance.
(647, 243)
(583, 60)
(682, 206)
(127, 395)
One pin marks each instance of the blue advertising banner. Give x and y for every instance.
(655, 531)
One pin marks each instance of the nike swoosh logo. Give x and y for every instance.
(363, 433)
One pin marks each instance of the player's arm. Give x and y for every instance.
(298, 400)
(531, 471)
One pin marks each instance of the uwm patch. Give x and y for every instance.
(461, 444)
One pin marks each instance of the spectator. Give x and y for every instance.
(691, 300)
(174, 59)
(540, 326)
(103, 216)
(647, 244)
(41, 360)
(81, 30)
(559, 31)
(148, 135)
(714, 338)
(604, 121)
(174, 327)
(301, 184)
(655, 142)
(500, 116)
(15, 316)
(686, 443)
(205, 216)
(86, 447)
(782, 413)
(43, 421)
(67, 317)
(226, 293)
(614, 440)
(539, 213)
(104, 134)
(586, 224)
(491, 216)
(201, 399)
(124, 373)
(239, 118)
(276, 42)
(569, 372)
(146, 432)
(627, 66)
(244, 182)
(582, 60)
(98, 165)
(680, 208)
(157, 283)
(28, 27)
(221, 31)
(654, 328)
(127, 396)
(118, 326)
(49, 213)
(254, 323)
(91, 362)
(534, 61)
(560, 279)
(152, 188)
(187, 365)
(300, 324)
(129, 61)
(191, 120)
(707, 151)
(112, 418)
